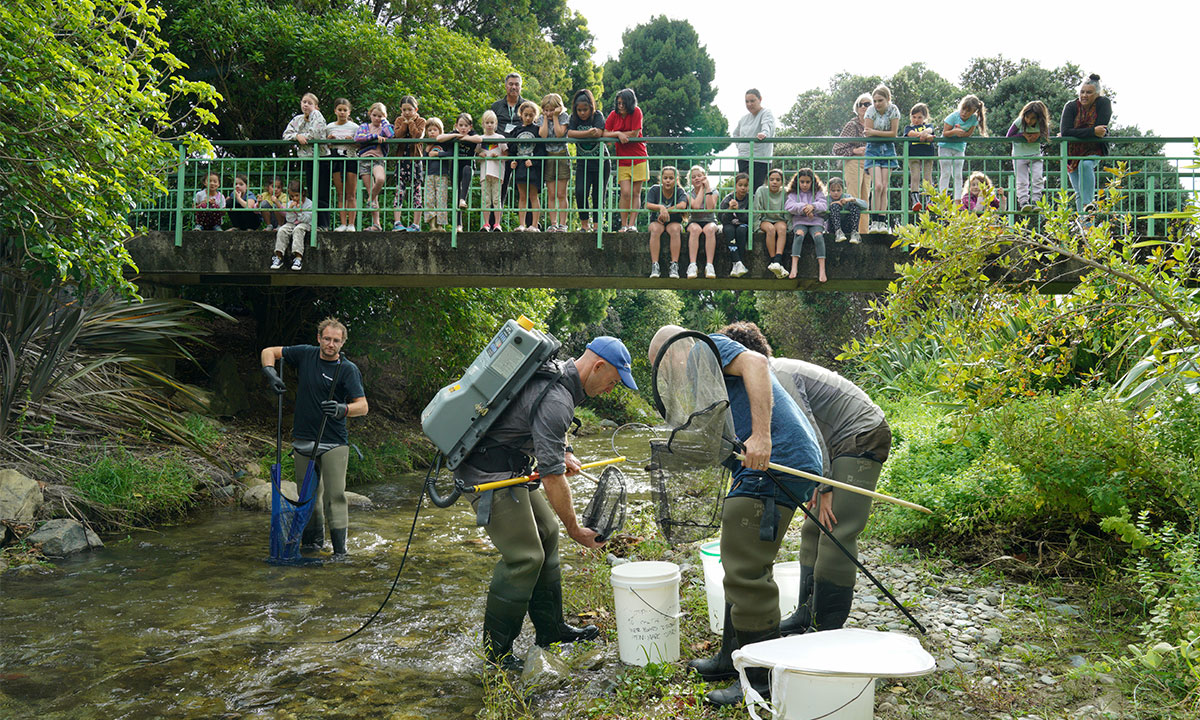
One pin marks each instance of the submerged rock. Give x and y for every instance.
(543, 669)
(258, 497)
(62, 537)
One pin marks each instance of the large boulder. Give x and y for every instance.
(20, 497)
(258, 497)
(62, 537)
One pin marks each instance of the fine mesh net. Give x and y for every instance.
(605, 513)
(288, 520)
(688, 476)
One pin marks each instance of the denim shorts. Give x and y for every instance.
(876, 150)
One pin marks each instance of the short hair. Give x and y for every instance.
(627, 96)
(489, 115)
(332, 322)
(512, 75)
(296, 186)
(340, 102)
(755, 93)
(434, 122)
(920, 108)
(857, 100)
(554, 100)
(377, 106)
(883, 90)
(748, 334)
(313, 96)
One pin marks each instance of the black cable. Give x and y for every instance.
(408, 544)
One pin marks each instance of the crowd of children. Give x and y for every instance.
(804, 208)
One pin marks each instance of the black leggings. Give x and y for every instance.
(588, 186)
(735, 238)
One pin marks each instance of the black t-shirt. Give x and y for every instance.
(312, 389)
(507, 120)
(524, 150)
(445, 165)
(654, 195)
(586, 147)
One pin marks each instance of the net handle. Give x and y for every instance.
(662, 351)
(844, 486)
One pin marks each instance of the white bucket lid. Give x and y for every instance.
(849, 652)
(711, 548)
(644, 573)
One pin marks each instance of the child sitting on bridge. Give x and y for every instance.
(844, 211)
(271, 199)
(979, 189)
(299, 217)
(208, 203)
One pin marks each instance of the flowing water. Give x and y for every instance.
(189, 622)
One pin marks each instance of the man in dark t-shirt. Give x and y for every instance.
(316, 368)
(520, 521)
(508, 118)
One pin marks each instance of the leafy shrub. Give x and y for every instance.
(147, 486)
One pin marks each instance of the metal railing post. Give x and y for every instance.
(452, 198)
(906, 182)
(1151, 207)
(180, 176)
(1063, 181)
(316, 191)
(600, 192)
(750, 211)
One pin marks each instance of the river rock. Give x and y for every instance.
(355, 500)
(543, 670)
(20, 497)
(259, 496)
(62, 537)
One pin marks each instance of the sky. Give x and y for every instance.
(1144, 57)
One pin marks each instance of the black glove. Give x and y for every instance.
(334, 409)
(273, 380)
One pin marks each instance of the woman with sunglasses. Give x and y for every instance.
(857, 180)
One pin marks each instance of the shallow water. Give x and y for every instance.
(189, 622)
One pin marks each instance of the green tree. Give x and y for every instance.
(672, 73)
(85, 133)
(812, 325)
(263, 55)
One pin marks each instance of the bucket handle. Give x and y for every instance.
(754, 700)
(676, 616)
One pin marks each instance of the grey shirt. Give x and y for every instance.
(840, 409)
(751, 126)
(541, 435)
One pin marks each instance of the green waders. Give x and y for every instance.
(826, 574)
(329, 503)
(750, 588)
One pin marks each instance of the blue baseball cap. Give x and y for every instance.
(614, 352)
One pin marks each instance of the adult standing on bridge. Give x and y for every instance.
(304, 128)
(316, 367)
(856, 441)
(759, 123)
(756, 511)
(522, 522)
(508, 118)
(1087, 119)
(858, 183)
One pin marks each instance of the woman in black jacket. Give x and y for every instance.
(1086, 119)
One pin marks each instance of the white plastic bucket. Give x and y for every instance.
(646, 600)
(829, 675)
(787, 578)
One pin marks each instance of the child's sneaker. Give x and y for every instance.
(738, 269)
(351, 228)
(1029, 209)
(462, 204)
(777, 270)
(692, 271)
(674, 271)
(653, 270)
(710, 272)
(496, 227)
(414, 227)
(276, 262)
(520, 228)
(296, 263)
(269, 227)
(217, 228)
(855, 238)
(840, 237)
(197, 228)
(533, 228)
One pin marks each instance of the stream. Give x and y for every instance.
(188, 621)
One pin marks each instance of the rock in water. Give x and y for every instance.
(259, 496)
(544, 670)
(61, 537)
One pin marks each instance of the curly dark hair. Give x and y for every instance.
(748, 334)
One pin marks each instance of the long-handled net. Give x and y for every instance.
(605, 512)
(688, 477)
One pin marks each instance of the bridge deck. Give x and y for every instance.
(555, 260)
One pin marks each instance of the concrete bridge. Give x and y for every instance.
(553, 260)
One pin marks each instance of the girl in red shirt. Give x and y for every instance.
(625, 123)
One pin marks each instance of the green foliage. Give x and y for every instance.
(576, 309)
(148, 487)
(264, 55)
(710, 310)
(811, 325)
(84, 133)
(639, 314)
(672, 73)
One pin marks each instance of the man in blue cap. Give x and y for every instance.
(520, 521)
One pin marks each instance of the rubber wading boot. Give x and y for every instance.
(337, 536)
(313, 537)
(502, 620)
(545, 611)
(720, 666)
(760, 678)
(831, 605)
(800, 621)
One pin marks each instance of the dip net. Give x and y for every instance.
(605, 513)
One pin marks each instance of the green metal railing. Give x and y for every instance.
(1158, 183)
